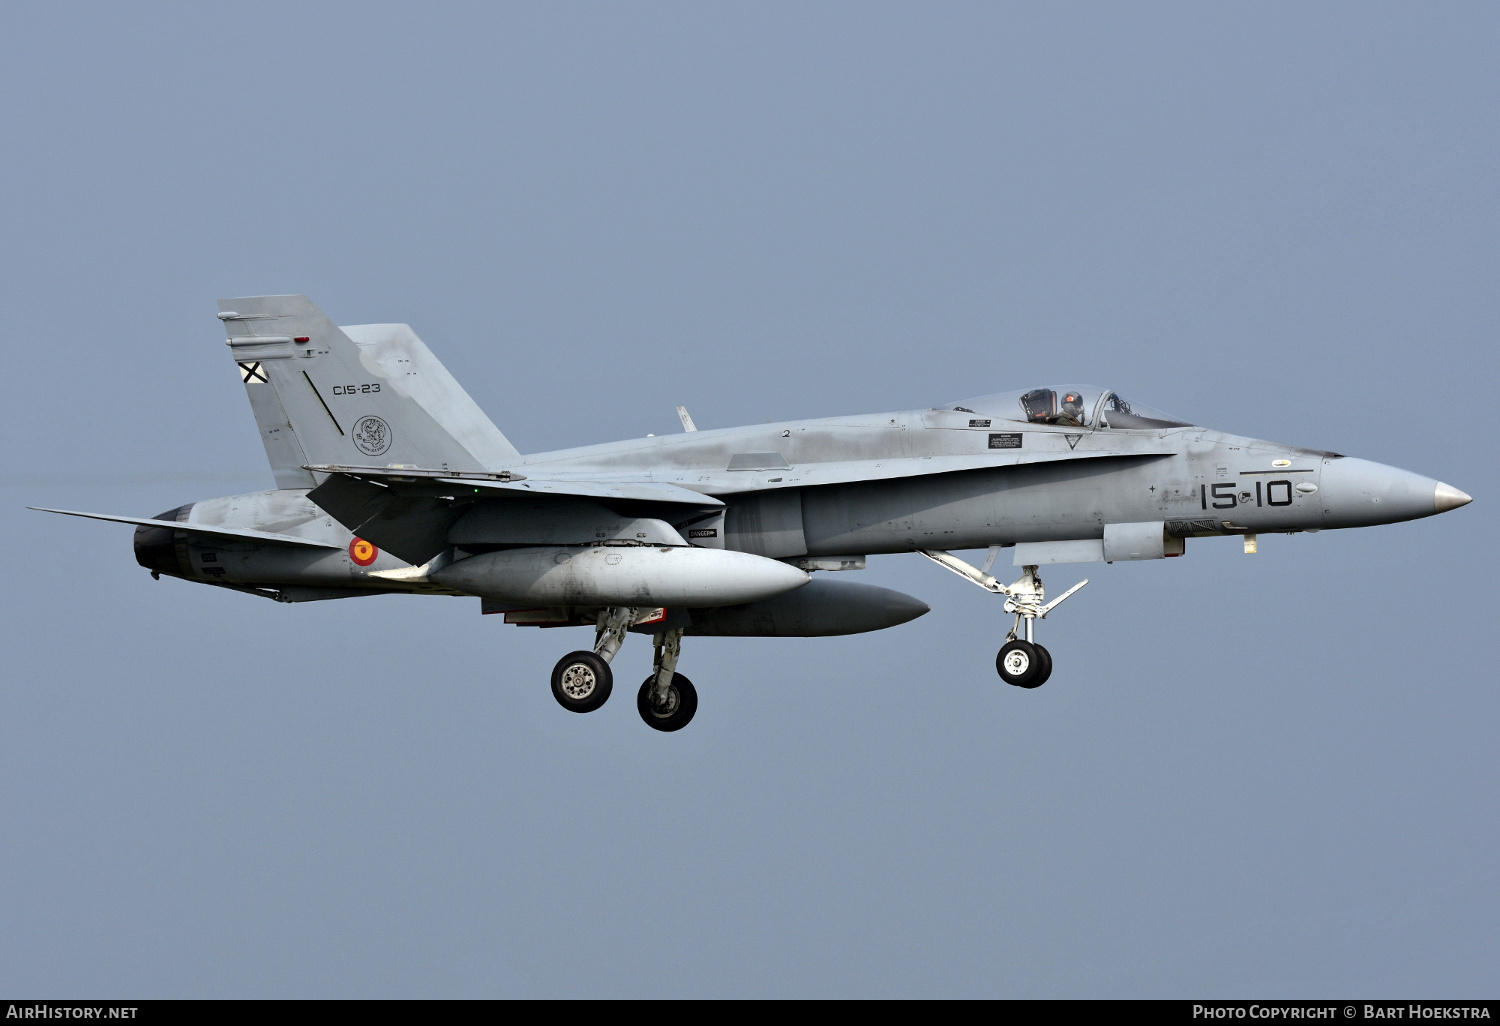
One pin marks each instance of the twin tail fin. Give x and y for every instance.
(370, 395)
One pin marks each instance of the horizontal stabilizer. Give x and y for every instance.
(226, 532)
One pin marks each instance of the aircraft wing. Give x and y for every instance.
(881, 470)
(408, 511)
(226, 532)
(806, 475)
(589, 486)
(604, 482)
(644, 491)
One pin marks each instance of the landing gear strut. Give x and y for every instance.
(1021, 660)
(582, 680)
(667, 699)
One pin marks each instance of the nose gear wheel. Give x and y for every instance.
(1024, 664)
(1018, 663)
(1044, 670)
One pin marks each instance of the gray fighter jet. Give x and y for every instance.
(389, 478)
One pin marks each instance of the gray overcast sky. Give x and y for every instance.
(1249, 776)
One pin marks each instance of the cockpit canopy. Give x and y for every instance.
(1084, 406)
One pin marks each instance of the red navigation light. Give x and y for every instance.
(302, 338)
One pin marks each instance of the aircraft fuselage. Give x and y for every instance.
(1198, 482)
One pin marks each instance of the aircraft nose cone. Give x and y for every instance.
(1446, 497)
(1359, 493)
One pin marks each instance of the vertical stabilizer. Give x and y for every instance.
(388, 402)
(405, 359)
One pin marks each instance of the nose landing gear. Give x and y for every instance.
(1021, 660)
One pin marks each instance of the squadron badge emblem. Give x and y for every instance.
(372, 436)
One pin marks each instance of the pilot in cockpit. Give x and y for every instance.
(1070, 411)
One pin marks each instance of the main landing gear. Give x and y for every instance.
(583, 680)
(667, 699)
(1021, 660)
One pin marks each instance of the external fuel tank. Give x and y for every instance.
(672, 576)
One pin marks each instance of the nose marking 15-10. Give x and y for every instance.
(1267, 493)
